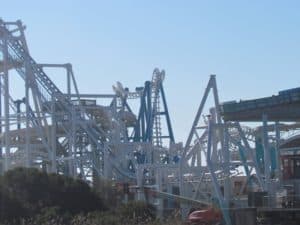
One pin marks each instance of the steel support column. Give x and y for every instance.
(267, 157)
(226, 155)
(278, 163)
(6, 105)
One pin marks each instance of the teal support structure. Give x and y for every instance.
(260, 155)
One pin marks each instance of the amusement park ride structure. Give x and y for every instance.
(70, 133)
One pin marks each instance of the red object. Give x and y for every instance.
(208, 216)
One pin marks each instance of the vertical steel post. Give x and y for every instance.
(27, 108)
(1, 153)
(278, 163)
(213, 118)
(69, 83)
(226, 155)
(266, 152)
(139, 177)
(53, 136)
(6, 105)
(159, 188)
(72, 140)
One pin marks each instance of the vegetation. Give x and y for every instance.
(29, 196)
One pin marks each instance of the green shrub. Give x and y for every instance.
(10, 208)
(137, 212)
(108, 192)
(32, 197)
(34, 190)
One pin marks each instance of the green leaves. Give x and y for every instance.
(31, 197)
(27, 192)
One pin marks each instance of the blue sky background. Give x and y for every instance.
(252, 46)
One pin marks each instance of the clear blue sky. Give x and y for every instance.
(252, 46)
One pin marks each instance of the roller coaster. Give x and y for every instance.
(70, 133)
